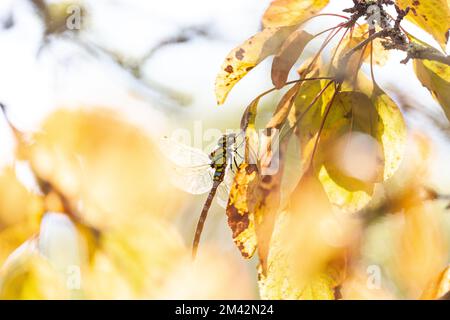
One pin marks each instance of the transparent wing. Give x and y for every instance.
(190, 167)
(193, 180)
(223, 191)
(182, 155)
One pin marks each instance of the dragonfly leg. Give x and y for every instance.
(237, 152)
(235, 163)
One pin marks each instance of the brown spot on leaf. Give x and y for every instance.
(237, 222)
(242, 250)
(250, 169)
(240, 54)
(229, 69)
(337, 293)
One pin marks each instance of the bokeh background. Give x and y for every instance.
(97, 100)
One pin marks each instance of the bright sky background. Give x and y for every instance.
(64, 74)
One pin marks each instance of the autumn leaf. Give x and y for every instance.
(288, 54)
(348, 61)
(391, 131)
(349, 142)
(247, 56)
(435, 76)
(284, 106)
(302, 261)
(240, 219)
(386, 127)
(439, 287)
(422, 249)
(20, 211)
(355, 286)
(254, 196)
(18, 205)
(291, 12)
(360, 33)
(81, 153)
(133, 266)
(266, 199)
(307, 115)
(433, 16)
(280, 281)
(32, 277)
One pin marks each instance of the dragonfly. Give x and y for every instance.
(197, 173)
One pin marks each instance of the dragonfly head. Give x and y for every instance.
(227, 140)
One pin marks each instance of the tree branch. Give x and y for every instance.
(394, 37)
(392, 41)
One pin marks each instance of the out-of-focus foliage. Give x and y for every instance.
(347, 213)
(116, 238)
(106, 164)
(20, 211)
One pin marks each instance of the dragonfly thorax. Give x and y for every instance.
(222, 155)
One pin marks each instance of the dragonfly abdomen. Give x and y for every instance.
(203, 215)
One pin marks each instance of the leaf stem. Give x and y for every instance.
(322, 124)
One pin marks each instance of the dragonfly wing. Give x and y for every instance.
(192, 180)
(182, 155)
(222, 196)
(223, 191)
(190, 166)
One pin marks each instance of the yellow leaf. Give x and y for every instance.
(303, 261)
(17, 204)
(348, 66)
(240, 219)
(32, 277)
(439, 287)
(248, 55)
(433, 16)
(12, 237)
(435, 76)
(387, 128)
(391, 131)
(82, 154)
(289, 53)
(350, 151)
(253, 203)
(307, 115)
(281, 282)
(198, 279)
(355, 287)
(422, 250)
(20, 211)
(133, 261)
(291, 12)
(360, 33)
(284, 106)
